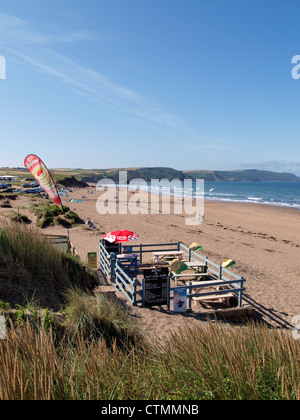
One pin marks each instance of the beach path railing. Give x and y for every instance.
(120, 271)
(105, 262)
(125, 284)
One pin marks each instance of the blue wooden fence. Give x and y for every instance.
(234, 283)
(104, 261)
(126, 281)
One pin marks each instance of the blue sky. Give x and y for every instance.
(188, 84)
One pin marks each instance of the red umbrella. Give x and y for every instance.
(121, 236)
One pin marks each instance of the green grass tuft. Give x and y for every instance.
(31, 267)
(50, 215)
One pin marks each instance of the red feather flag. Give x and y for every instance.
(39, 170)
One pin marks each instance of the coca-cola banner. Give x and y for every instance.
(38, 169)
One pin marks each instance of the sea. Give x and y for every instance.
(283, 194)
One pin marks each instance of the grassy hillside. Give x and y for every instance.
(138, 173)
(79, 177)
(148, 174)
(31, 269)
(242, 175)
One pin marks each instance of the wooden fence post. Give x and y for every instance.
(143, 292)
(134, 291)
(241, 294)
(189, 299)
(113, 258)
(169, 291)
(141, 253)
(220, 273)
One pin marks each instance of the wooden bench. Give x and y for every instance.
(217, 285)
(160, 255)
(196, 265)
(189, 274)
(177, 277)
(220, 297)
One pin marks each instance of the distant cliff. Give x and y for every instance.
(243, 175)
(138, 173)
(94, 175)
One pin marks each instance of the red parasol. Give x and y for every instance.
(121, 236)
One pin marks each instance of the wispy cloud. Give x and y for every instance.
(19, 33)
(38, 50)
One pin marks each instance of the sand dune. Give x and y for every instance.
(263, 240)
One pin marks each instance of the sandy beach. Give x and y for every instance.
(263, 240)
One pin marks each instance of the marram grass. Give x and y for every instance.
(32, 269)
(97, 351)
(212, 362)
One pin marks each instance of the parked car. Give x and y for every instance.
(34, 190)
(4, 186)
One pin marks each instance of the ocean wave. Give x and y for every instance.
(271, 197)
(222, 194)
(270, 203)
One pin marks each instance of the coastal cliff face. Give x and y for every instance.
(78, 178)
(147, 174)
(73, 182)
(250, 175)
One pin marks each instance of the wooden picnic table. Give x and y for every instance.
(122, 256)
(185, 276)
(126, 255)
(159, 255)
(197, 265)
(217, 284)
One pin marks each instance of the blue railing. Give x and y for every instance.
(125, 279)
(234, 283)
(125, 283)
(104, 260)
